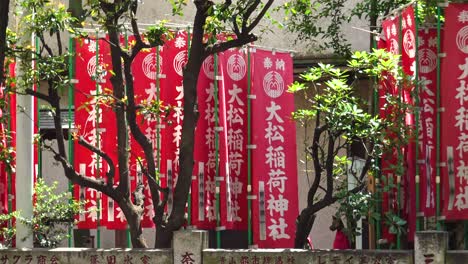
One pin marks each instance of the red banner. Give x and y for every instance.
(12, 111)
(94, 80)
(233, 112)
(205, 152)
(274, 169)
(174, 60)
(408, 58)
(454, 99)
(388, 87)
(427, 53)
(147, 72)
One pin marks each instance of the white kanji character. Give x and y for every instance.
(462, 172)
(267, 63)
(277, 180)
(92, 46)
(151, 92)
(177, 135)
(273, 133)
(235, 163)
(235, 115)
(433, 42)
(272, 110)
(462, 92)
(278, 229)
(463, 16)
(464, 68)
(234, 95)
(463, 145)
(394, 31)
(120, 215)
(280, 65)
(461, 202)
(279, 205)
(409, 20)
(462, 119)
(235, 140)
(275, 157)
(179, 42)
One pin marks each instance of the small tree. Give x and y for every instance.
(53, 215)
(49, 20)
(340, 126)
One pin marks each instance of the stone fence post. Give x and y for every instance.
(188, 246)
(430, 247)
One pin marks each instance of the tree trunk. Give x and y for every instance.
(304, 224)
(163, 237)
(4, 9)
(134, 224)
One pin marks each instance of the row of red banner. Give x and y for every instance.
(399, 38)
(221, 137)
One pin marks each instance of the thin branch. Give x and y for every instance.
(220, 47)
(260, 15)
(39, 95)
(107, 158)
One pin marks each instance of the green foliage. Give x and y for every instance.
(7, 229)
(53, 215)
(341, 119)
(323, 20)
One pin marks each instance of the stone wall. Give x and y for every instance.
(190, 247)
(85, 256)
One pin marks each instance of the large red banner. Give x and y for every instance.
(388, 87)
(93, 80)
(454, 100)
(147, 73)
(274, 169)
(427, 55)
(174, 60)
(233, 112)
(408, 59)
(205, 152)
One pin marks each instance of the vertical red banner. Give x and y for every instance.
(12, 111)
(427, 55)
(147, 73)
(174, 57)
(93, 80)
(205, 152)
(454, 100)
(3, 147)
(233, 112)
(274, 169)
(408, 58)
(391, 32)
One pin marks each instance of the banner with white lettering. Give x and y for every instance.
(174, 60)
(274, 162)
(388, 87)
(427, 52)
(147, 83)
(233, 113)
(205, 151)
(454, 99)
(93, 81)
(408, 59)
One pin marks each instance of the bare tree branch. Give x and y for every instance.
(107, 158)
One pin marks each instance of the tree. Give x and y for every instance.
(342, 130)
(324, 19)
(242, 16)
